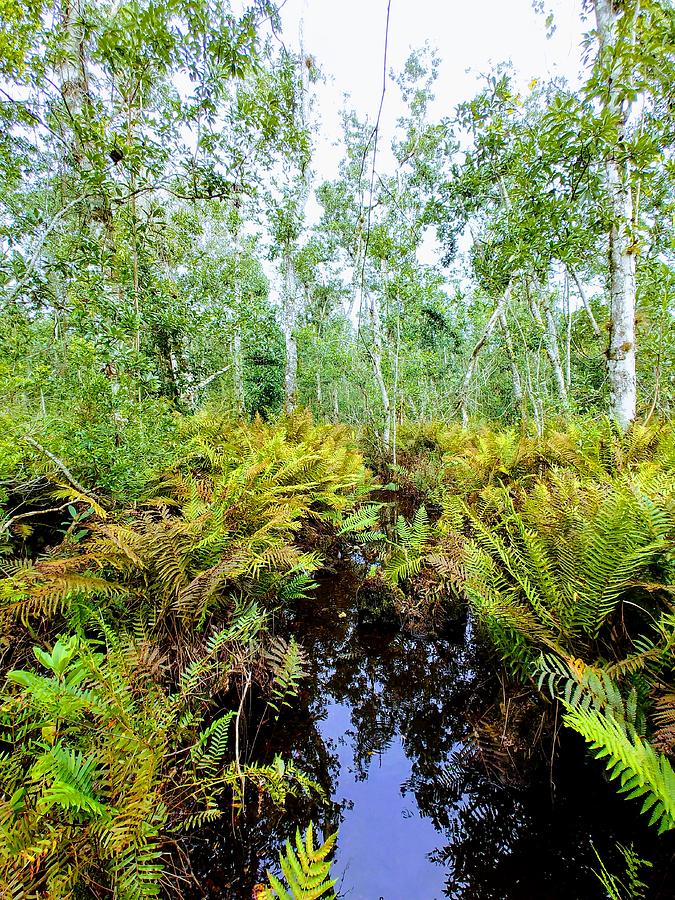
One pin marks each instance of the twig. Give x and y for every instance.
(62, 467)
(236, 737)
(202, 384)
(36, 512)
(36, 253)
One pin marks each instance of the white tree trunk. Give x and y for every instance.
(515, 374)
(289, 321)
(621, 352)
(584, 300)
(72, 71)
(568, 335)
(550, 337)
(475, 353)
(291, 288)
(376, 356)
(238, 363)
(237, 356)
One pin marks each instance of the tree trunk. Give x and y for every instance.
(568, 335)
(237, 358)
(376, 356)
(290, 280)
(515, 374)
(584, 300)
(621, 352)
(73, 72)
(291, 367)
(238, 364)
(475, 353)
(550, 336)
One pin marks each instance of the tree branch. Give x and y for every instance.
(62, 467)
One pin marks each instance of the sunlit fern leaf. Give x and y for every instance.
(642, 772)
(288, 665)
(278, 780)
(200, 819)
(211, 747)
(407, 550)
(360, 523)
(630, 886)
(298, 587)
(305, 870)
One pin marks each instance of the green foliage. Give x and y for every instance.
(632, 888)
(561, 563)
(306, 870)
(122, 744)
(614, 729)
(220, 526)
(88, 786)
(139, 223)
(361, 525)
(287, 666)
(642, 772)
(564, 547)
(407, 549)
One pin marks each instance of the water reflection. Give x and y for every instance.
(384, 724)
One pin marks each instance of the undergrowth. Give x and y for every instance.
(136, 637)
(564, 547)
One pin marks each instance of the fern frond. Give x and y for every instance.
(641, 771)
(306, 870)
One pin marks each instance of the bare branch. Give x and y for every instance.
(62, 467)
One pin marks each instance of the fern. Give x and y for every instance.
(362, 524)
(287, 664)
(642, 772)
(407, 550)
(568, 556)
(67, 779)
(596, 709)
(305, 870)
(632, 888)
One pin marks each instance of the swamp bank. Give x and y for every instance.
(425, 663)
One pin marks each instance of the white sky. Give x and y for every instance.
(346, 37)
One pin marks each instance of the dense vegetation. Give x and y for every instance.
(208, 391)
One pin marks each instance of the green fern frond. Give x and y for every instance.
(305, 869)
(288, 664)
(641, 771)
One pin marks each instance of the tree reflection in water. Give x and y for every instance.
(383, 723)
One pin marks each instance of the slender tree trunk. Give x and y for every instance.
(238, 363)
(550, 336)
(291, 287)
(568, 336)
(475, 353)
(531, 394)
(237, 358)
(621, 352)
(134, 241)
(376, 356)
(515, 374)
(73, 72)
(584, 300)
(290, 300)
(394, 423)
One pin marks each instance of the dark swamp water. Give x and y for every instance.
(432, 796)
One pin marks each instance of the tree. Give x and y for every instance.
(616, 26)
